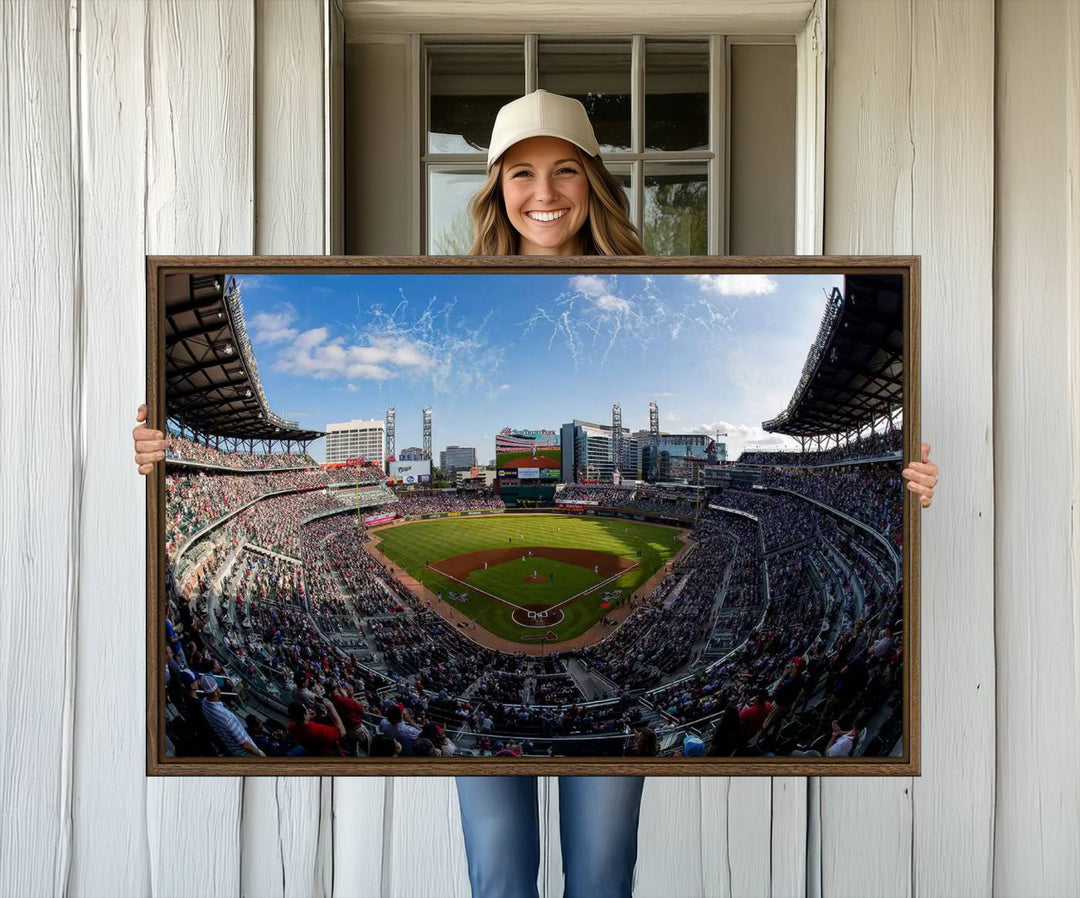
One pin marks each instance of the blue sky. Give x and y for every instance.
(533, 351)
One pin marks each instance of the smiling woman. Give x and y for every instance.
(547, 190)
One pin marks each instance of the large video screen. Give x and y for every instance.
(528, 455)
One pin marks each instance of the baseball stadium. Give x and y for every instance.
(599, 595)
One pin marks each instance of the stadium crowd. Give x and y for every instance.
(873, 494)
(872, 445)
(178, 448)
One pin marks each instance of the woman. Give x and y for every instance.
(548, 193)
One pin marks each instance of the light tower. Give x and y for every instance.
(427, 433)
(616, 442)
(391, 426)
(654, 441)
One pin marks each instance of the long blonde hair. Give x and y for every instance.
(607, 231)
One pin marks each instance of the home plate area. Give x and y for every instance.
(577, 571)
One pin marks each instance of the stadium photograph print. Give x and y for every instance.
(598, 514)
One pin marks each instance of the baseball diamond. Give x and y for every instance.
(576, 561)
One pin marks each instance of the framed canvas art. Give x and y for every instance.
(435, 515)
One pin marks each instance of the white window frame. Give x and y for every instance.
(810, 125)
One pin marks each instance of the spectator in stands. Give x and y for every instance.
(191, 734)
(754, 713)
(784, 697)
(352, 716)
(843, 742)
(224, 723)
(727, 735)
(439, 739)
(425, 748)
(645, 743)
(399, 726)
(383, 746)
(316, 738)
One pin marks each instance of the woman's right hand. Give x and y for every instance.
(149, 444)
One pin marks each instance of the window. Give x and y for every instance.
(656, 104)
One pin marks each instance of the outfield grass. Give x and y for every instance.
(412, 546)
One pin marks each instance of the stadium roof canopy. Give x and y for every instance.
(854, 372)
(211, 380)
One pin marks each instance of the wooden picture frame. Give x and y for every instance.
(205, 280)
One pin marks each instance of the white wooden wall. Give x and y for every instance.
(131, 127)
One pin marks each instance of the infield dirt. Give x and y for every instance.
(485, 638)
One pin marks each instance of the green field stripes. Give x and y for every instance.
(507, 580)
(413, 546)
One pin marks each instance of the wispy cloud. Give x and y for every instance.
(734, 284)
(595, 315)
(456, 346)
(498, 391)
(596, 290)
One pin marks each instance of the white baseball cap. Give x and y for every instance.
(541, 114)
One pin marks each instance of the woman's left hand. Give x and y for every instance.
(922, 477)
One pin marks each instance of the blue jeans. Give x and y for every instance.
(598, 821)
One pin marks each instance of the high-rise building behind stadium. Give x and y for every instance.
(587, 454)
(683, 454)
(356, 439)
(456, 458)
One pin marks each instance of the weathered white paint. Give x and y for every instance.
(145, 143)
(280, 826)
(909, 168)
(199, 198)
(41, 453)
(1037, 371)
(866, 824)
(109, 781)
(810, 134)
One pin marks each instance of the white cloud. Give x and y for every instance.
(315, 354)
(352, 388)
(273, 327)
(588, 284)
(743, 437)
(734, 284)
(599, 292)
(498, 391)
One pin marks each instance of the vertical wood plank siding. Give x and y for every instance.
(282, 816)
(168, 126)
(110, 854)
(909, 168)
(1037, 367)
(41, 456)
(199, 200)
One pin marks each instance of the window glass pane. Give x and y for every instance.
(597, 74)
(676, 209)
(676, 95)
(449, 191)
(467, 84)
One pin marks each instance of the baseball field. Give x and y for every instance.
(527, 576)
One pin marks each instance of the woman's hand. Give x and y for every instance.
(922, 477)
(149, 444)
